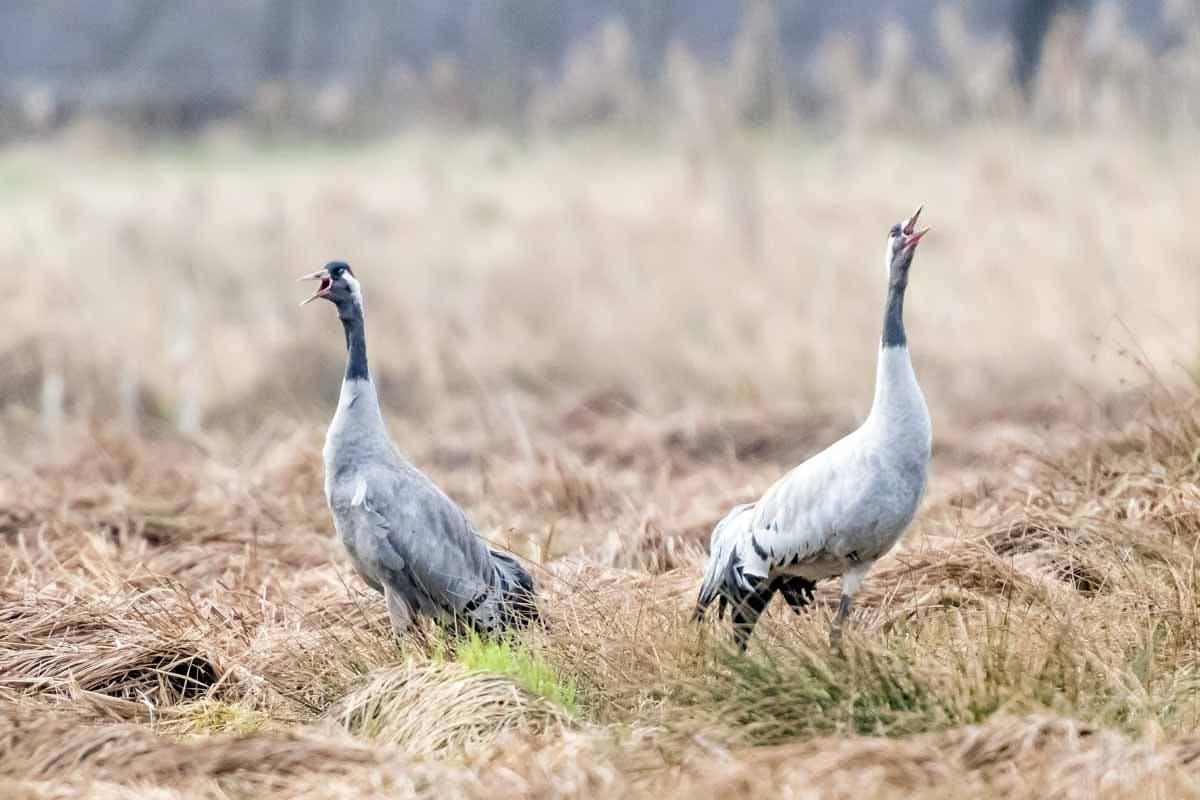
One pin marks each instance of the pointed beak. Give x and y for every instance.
(911, 235)
(912, 221)
(322, 290)
(912, 240)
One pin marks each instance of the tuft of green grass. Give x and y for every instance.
(510, 658)
(805, 692)
(214, 716)
(960, 672)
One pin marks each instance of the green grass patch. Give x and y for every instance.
(801, 692)
(510, 658)
(947, 674)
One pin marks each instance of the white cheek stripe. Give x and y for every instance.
(355, 289)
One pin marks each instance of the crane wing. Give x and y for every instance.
(430, 551)
(822, 497)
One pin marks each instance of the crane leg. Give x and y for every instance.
(835, 632)
(745, 611)
(851, 579)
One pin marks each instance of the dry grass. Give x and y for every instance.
(1036, 637)
(430, 708)
(593, 347)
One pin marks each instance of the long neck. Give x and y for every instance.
(357, 429)
(893, 315)
(356, 343)
(895, 382)
(896, 391)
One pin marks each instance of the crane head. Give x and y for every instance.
(337, 284)
(902, 243)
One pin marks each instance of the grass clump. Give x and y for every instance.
(801, 692)
(434, 706)
(215, 716)
(961, 670)
(510, 658)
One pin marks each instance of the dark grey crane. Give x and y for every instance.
(405, 537)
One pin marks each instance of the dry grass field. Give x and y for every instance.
(597, 346)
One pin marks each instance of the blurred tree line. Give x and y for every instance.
(180, 63)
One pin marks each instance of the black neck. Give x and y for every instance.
(356, 342)
(893, 316)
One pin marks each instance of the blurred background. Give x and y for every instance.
(591, 206)
(623, 266)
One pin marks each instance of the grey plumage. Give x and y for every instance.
(405, 537)
(841, 510)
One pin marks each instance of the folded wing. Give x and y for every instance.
(431, 555)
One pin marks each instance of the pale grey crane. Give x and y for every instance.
(405, 537)
(842, 509)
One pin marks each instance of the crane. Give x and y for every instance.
(405, 537)
(838, 512)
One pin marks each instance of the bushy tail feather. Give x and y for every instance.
(713, 580)
(518, 590)
(718, 572)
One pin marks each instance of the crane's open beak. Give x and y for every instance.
(911, 235)
(321, 275)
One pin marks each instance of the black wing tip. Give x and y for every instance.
(758, 548)
(513, 576)
(519, 592)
